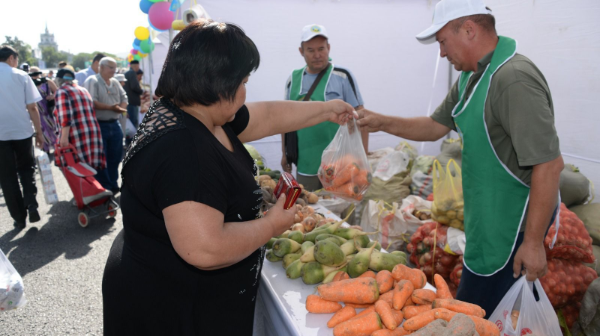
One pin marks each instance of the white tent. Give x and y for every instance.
(399, 76)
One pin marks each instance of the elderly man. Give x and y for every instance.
(502, 108)
(110, 101)
(82, 76)
(18, 111)
(318, 80)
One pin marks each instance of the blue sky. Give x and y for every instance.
(77, 25)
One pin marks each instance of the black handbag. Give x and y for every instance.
(291, 138)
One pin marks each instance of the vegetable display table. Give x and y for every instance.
(280, 307)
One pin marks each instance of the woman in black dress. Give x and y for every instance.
(189, 257)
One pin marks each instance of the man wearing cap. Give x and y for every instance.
(502, 109)
(92, 70)
(134, 91)
(110, 101)
(334, 82)
(18, 111)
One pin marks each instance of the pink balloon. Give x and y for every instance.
(133, 51)
(160, 16)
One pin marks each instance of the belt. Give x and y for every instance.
(107, 121)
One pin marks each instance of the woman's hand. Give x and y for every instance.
(340, 111)
(279, 218)
(50, 97)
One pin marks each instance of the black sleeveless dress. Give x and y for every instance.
(147, 288)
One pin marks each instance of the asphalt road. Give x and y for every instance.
(61, 264)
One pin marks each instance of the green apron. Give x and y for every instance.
(312, 140)
(495, 199)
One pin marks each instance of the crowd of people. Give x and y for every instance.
(89, 110)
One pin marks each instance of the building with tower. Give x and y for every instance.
(47, 40)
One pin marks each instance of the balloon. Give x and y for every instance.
(178, 25)
(133, 51)
(136, 47)
(137, 57)
(137, 42)
(154, 28)
(160, 16)
(142, 33)
(155, 1)
(147, 46)
(145, 5)
(142, 55)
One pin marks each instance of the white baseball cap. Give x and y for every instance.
(120, 77)
(448, 10)
(312, 30)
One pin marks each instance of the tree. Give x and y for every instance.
(51, 56)
(24, 50)
(80, 59)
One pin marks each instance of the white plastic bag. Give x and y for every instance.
(344, 169)
(45, 170)
(11, 286)
(535, 317)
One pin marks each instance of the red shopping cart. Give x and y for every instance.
(91, 198)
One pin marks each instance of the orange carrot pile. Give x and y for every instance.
(395, 304)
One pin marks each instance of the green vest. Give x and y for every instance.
(495, 199)
(312, 140)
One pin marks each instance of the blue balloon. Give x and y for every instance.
(136, 42)
(152, 26)
(136, 47)
(145, 6)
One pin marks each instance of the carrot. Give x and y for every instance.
(364, 325)
(398, 315)
(365, 312)
(443, 291)
(416, 276)
(417, 322)
(363, 178)
(402, 292)
(412, 311)
(368, 274)
(358, 306)
(384, 281)
(348, 189)
(400, 331)
(359, 290)
(387, 297)
(340, 276)
(341, 315)
(459, 307)
(385, 312)
(346, 175)
(382, 332)
(483, 326)
(409, 302)
(317, 305)
(423, 296)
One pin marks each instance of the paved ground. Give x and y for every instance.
(61, 264)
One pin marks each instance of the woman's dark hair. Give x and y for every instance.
(206, 62)
(6, 51)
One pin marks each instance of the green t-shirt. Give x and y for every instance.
(519, 114)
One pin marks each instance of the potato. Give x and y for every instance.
(460, 215)
(442, 220)
(313, 198)
(455, 223)
(451, 214)
(300, 201)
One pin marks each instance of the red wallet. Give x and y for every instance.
(287, 185)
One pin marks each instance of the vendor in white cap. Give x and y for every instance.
(318, 80)
(502, 109)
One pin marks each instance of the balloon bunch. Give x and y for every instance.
(160, 18)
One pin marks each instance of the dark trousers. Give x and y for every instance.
(133, 115)
(17, 162)
(112, 140)
(487, 292)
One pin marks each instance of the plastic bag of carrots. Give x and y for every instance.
(345, 170)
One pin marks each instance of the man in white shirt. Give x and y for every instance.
(93, 69)
(18, 111)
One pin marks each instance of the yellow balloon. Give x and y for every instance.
(178, 25)
(142, 33)
(142, 55)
